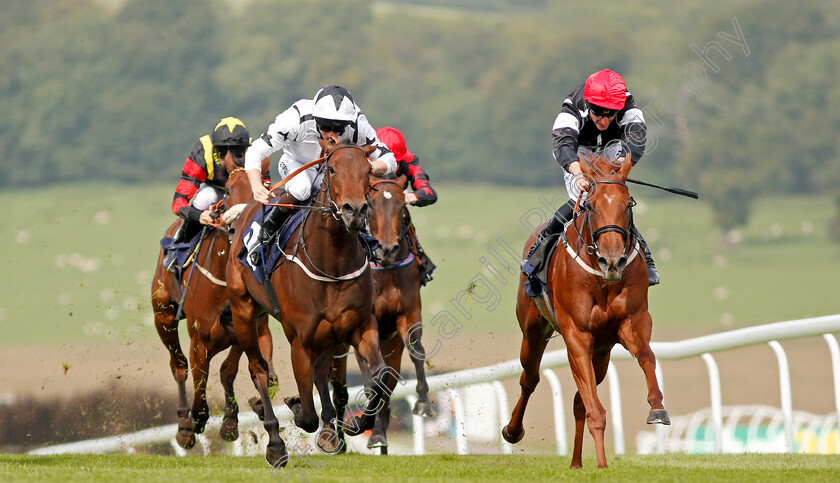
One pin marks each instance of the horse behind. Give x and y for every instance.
(325, 297)
(208, 323)
(398, 305)
(593, 311)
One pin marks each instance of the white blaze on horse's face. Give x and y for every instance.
(387, 195)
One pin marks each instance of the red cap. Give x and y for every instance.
(605, 89)
(395, 141)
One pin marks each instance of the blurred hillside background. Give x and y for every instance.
(119, 90)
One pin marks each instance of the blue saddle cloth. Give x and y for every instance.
(182, 251)
(272, 251)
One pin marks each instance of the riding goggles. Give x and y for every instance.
(237, 151)
(602, 112)
(329, 125)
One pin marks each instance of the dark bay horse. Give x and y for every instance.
(321, 311)
(593, 311)
(398, 306)
(207, 312)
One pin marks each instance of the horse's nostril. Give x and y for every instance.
(622, 262)
(348, 209)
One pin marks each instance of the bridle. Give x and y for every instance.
(586, 209)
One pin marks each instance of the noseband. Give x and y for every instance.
(332, 206)
(586, 208)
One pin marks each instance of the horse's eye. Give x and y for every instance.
(331, 169)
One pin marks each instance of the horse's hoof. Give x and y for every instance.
(358, 425)
(277, 457)
(511, 438)
(377, 441)
(198, 426)
(257, 406)
(185, 438)
(658, 416)
(424, 409)
(229, 431)
(330, 442)
(293, 402)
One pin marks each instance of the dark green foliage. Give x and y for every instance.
(120, 90)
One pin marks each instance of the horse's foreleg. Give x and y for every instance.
(327, 439)
(411, 335)
(229, 431)
(534, 341)
(244, 325)
(302, 406)
(200, 367)
(392, 351)
(167, 329)
(338, 381)
(579, 347)
(635, 337)
(365, 340)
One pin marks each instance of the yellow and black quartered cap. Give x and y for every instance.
(230, 131)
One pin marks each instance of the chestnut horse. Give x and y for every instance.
(592, 308)
(324, 291)
(397, 307)
(206, 309)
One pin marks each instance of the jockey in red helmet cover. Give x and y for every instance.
(408, 164)
(598, 116)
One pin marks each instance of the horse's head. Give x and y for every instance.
(237, 193)
(346, 182)
(609, 209)
(387, 203)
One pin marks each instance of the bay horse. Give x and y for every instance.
(208, 322)
(398, 305)
(321, 311)
(592, 308)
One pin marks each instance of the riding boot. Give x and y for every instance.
(275, 219)
(180, 236)
(653, 275)
(426, 268)
(555, 225)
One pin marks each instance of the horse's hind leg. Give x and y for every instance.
(200, 365)
(244, 325)
(635, 337)
(229, 431)
(535, 333)
(411, 335)
(267, 348)
(392, 350)
(167, 329)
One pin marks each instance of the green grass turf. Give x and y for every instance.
(78, 259)
(358, 468)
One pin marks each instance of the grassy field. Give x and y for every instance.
(356, 468)
(77, 260)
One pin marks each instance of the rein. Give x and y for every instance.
(631, 250)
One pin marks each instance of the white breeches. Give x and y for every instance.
(206, 197)
(301, 185)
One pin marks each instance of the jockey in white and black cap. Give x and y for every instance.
(331, 114)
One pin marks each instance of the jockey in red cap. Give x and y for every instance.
(408, 164)
(598, 116)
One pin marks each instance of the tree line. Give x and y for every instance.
(740, 98)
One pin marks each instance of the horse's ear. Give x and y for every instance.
(586, 164)
(624, 171)
(402, 180)
(368, 150)
(328, 145)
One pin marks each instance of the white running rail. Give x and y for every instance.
(454, 381)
